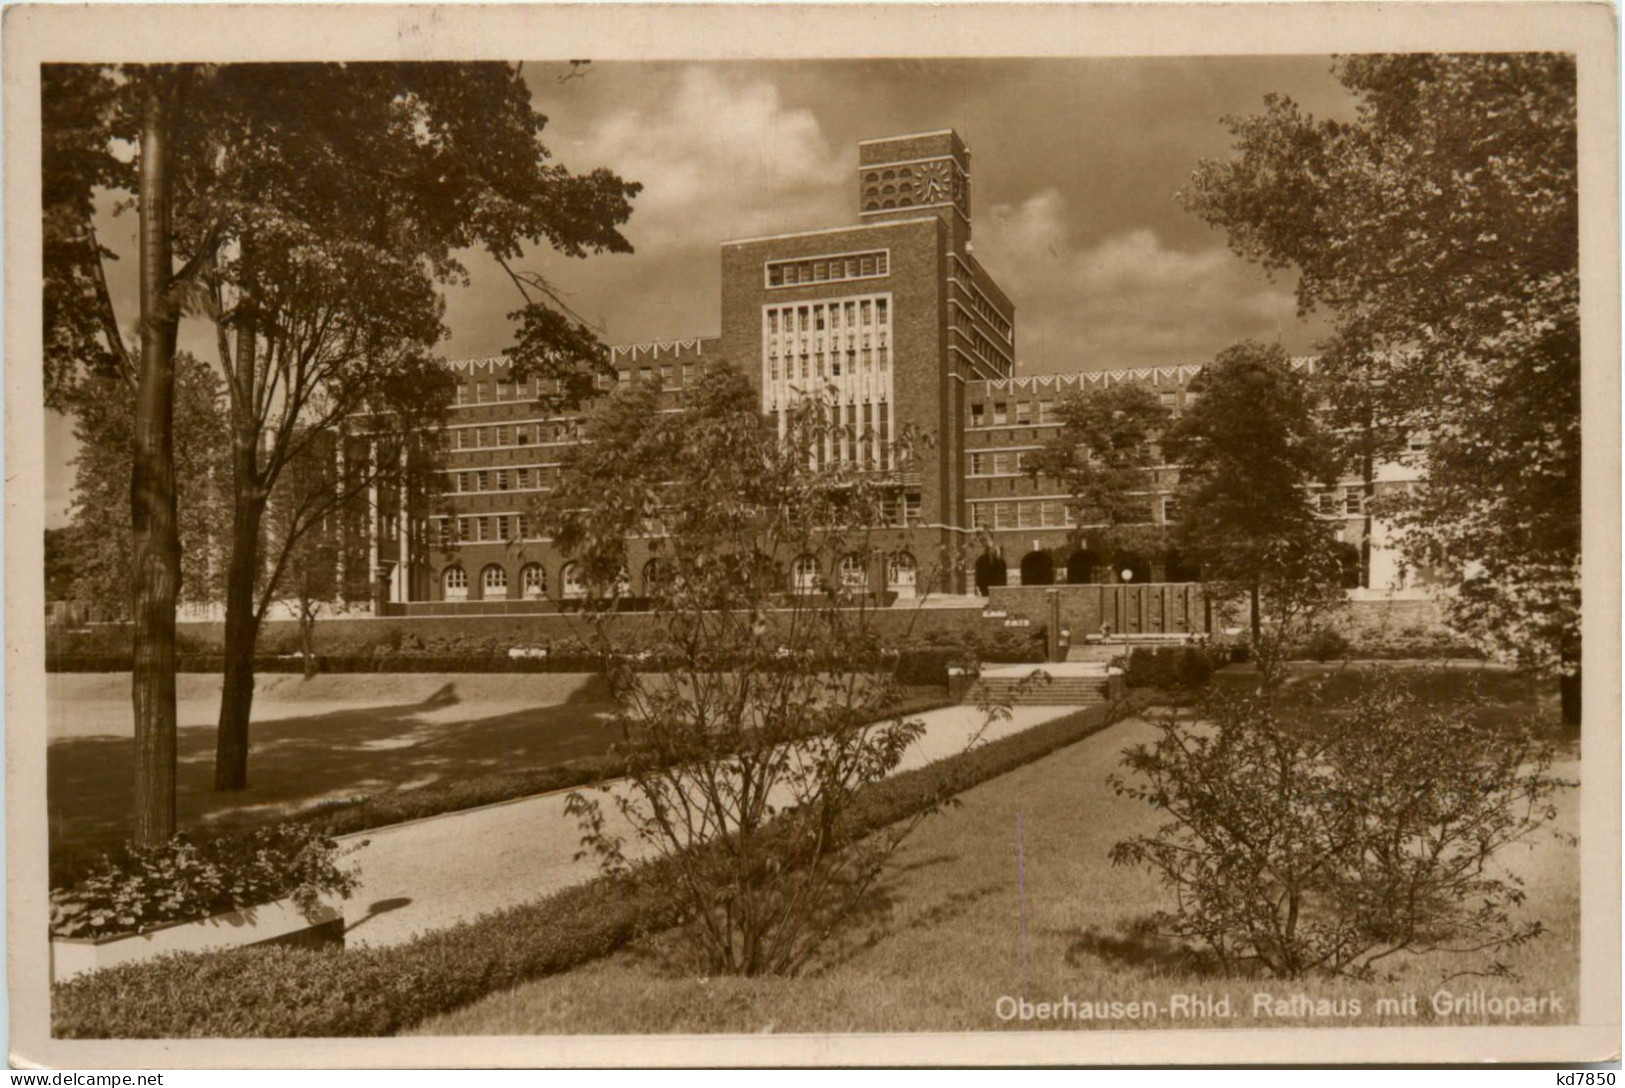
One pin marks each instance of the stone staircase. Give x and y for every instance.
(1065, 687)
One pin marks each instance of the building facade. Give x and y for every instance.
(893, 319)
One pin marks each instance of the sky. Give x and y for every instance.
(1075, 165)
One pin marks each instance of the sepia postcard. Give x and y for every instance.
(812, 534)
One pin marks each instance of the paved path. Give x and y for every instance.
(446, 869)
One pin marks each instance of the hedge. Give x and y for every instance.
(345, 663)
(292, 992)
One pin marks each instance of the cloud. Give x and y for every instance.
(1128, 300)
(723, 157)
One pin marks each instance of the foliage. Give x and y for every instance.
(61, 574)
(1104, 457)
(1187, 667)
(746, 756)
(1440, 229)
(318, 210)
(99, 544)
(79, 120)
(1250, 451)
(136, 889)
(1326, 644)
(287, 992)
(1301, 846)
(315, 552)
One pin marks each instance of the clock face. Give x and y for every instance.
(934, 182)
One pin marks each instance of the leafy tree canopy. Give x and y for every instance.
(98, 542)
(1440, 229)
(1104, 456)
(1251, 451)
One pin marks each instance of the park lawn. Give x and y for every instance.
(967, 918)
(358, 750)
(313, 742)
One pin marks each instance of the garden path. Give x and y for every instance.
(436, 872)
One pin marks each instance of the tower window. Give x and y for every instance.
(833, 269)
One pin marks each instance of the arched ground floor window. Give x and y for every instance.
(454, 580)
(854, 574)
(1037, 569)
(1082, 567)
(990, 572)
(804, 574)
(902, 574)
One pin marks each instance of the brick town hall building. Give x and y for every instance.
(896, 317)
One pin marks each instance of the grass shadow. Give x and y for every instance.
(1138, 944)
(300, 762)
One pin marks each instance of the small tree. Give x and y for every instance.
(1104, 457)
(302, 521)
(775, 705)
(1331, 843)
(1250, 452)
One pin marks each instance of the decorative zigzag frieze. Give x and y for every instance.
(1156, 375)
(653, 348)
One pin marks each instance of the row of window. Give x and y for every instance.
(474, 481)
(985, 309)
(494, 582)
(862, 437)
(1023, 413)
(671, 374)
(852, 574)
(497, 390)
(498, 435)
(1348, 500)
(1037, 514)
(805, 577)
(834, 269)
(500, 390)
(984, 350)
(483, 529)
(998, 462)
(815, 317)
(1046, 514)
(811, 366)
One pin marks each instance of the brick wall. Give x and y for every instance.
(1153, 608)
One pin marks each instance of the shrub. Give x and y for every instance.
(134, 889)
(1192, 668)
(294, 992)
(1325, 644)
(1168, 667)
(1369, 834)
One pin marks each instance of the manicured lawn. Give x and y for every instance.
(326, 739)
(412, 744)
(969, 918)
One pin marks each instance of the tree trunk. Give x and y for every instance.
(152, 497)
(242, 630)
(307, 637)
(1568, 687)
(1258, 627)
